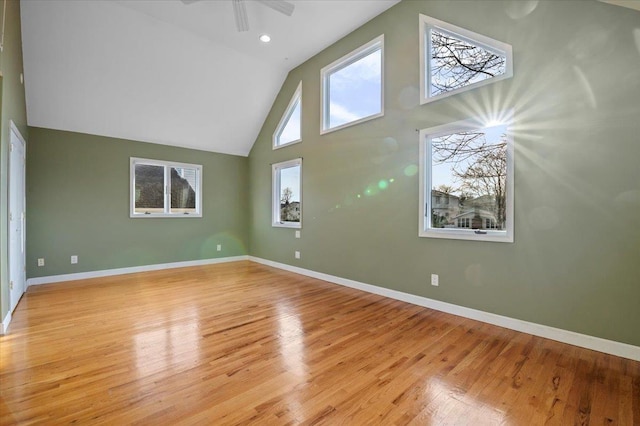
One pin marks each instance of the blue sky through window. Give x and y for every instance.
(442, 174)
(290, 178)
(291, 131)
(456, 62)
(355, 90)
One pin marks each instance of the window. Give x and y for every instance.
(352, 87)
(165, 189)
(463, 223)
(472, 167)
(287, 193)
(453, 59)
(289, 129)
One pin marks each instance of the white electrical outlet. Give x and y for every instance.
(74, 259)
(435, 280)
(41, 261)
(297, 255)
(297, 234)
(219, 247)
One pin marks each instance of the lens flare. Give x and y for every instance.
(411, 170)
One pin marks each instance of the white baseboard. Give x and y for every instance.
(131, 270)
(5, 324)
(590, 342)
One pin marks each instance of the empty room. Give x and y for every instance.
(284, 212)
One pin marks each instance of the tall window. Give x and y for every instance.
(287, 194)
(453, 59)
(352, 87)
(165, 189)
(289, 129)
(472, 167)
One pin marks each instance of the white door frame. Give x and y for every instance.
(18, 258)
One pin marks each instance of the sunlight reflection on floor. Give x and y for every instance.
(447, 400)
(166, 348)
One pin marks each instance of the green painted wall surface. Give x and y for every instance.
(13, 109)
(78, 204)
(575, 262)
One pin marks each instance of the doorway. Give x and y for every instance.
(17, 258)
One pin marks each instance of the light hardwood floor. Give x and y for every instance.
(242, 343)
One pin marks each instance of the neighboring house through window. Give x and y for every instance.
(466, 182)
(287, 194)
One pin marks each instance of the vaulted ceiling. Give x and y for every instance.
(168, 72)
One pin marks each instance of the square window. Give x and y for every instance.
(352, 87)
(165, 189)
(287, 194)
(453, 59)
(289, 129)
(472, 167)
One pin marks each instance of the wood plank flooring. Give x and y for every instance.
(242, 343)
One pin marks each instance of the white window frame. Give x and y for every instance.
(426, 24)
(424, 224)
(167, 190)
(276, 191)
(296, 100)
(348, 59)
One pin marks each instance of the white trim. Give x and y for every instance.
(572, 338)
(424, 215)
(498, 47)
(296, 100)
(275, 193)
(346, 60)
(5, 324)
(133, 161)
(130, 270)
(14, 131)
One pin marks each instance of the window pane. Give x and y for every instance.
(184, 183)
(290, 200)
(469, 179)
(291, 130)
(455, 63)
(149, 181)
(355, 90)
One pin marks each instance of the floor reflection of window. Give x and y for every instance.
(167, 348)
(291, 339)
(448, 400)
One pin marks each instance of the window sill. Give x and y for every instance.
(352, 123)
(287, 225)
(470, 235)
(150, 216)
(282, 145)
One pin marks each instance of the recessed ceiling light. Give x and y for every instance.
(265, 38)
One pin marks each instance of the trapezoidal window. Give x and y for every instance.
(454, 60)
(289, 130)
(353, 87)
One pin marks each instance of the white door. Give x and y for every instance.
(17, 261)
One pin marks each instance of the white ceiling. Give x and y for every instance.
(167, 72)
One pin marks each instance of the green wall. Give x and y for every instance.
(575, 260)
(12, 109)
(78, 204)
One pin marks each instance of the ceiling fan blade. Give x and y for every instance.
(279, 5)
(240, 13)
